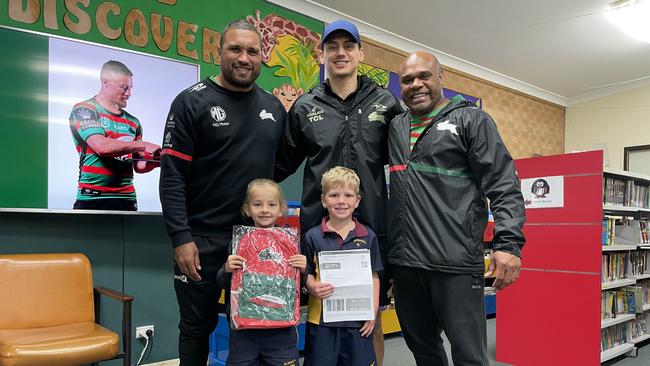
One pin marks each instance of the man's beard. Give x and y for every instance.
(229, 73)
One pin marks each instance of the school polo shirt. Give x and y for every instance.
(319, 239)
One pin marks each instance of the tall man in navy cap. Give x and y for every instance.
(342, 122)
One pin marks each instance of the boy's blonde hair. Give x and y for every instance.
(258, 183)
(339, 176)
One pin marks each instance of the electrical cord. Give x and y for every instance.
(148, 336)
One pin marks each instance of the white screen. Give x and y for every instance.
(74, 69)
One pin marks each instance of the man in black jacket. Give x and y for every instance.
(220, 134)
(446, 157)
(343, 121)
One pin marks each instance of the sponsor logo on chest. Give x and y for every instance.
(218, 114)
(117, 127)
(315, 115)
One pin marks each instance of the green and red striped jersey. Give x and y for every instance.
(103, 177)
(420, 123)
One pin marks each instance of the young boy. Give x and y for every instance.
(348, 342)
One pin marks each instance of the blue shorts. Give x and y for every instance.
(266, 347)
(337, 346)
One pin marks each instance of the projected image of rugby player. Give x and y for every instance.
(110, 146)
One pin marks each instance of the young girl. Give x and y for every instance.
(264, 204)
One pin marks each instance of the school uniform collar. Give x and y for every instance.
(359, 230)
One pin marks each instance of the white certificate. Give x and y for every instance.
(351, 274)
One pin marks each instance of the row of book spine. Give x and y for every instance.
(627, 332)
(625, 192)
(613, 336)
(617, 302)
(639, 262)
(624, 230)
(614, 266)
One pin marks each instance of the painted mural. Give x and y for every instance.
(290, 50)
(380, 76)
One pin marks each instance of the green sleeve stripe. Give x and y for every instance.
(434, 169)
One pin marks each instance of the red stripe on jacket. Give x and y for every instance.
(177, 154)
(397, 168)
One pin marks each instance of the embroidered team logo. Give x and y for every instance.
(378, 114)
(197, 87)
(268, 254)
(266, 115)
(315, 115)
(84, 113)
(446, 126)
(217, 113)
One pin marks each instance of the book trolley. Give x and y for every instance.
(582, 296)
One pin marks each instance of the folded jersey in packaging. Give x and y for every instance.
(264, 294)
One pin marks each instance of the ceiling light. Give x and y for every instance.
(631, 16)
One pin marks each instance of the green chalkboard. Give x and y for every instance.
(23, 120)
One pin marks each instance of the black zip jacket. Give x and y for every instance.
(328, 132)
(215, 142)
(437, 209)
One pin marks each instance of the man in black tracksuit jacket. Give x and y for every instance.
(437, 215)
(220, 134)
(343, 121)
(328, 133)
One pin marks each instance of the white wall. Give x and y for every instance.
(613, 122)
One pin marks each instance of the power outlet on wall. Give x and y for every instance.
(140, 332)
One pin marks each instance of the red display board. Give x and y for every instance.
(551, 315)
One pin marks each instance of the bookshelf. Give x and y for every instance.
(567, 272)
(616, 351)
(617, 283)
(605, 323)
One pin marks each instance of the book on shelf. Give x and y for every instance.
(639, 299)
(645, 286)
(614, 266)
(630, 301)
(615, 335)
(638, 326)
(622, 230)
(643, 231)
(607, 310)
(625, 192)
(639, 262)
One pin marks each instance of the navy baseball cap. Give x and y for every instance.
(341, 25)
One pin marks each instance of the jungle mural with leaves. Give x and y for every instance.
(291, 51)
(379, 76)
